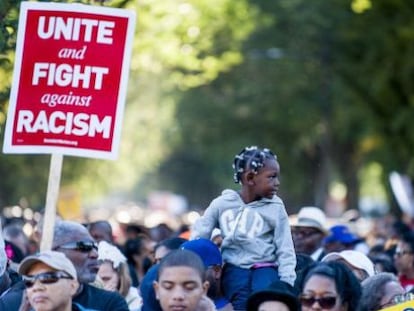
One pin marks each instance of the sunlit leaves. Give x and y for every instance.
(360, 6)
(178, 44)
(192, 41)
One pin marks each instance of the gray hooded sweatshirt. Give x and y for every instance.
(256, 232)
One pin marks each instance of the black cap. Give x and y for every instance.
(277, 291)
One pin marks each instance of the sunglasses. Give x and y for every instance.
(81, 246)
(324, 302)
(400, 253)
(45, 278)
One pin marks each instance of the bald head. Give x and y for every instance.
(101, 231)
(68, 231)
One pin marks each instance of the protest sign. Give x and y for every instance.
(70, 78)
(401, 186)
(69, 87)
(406, 306)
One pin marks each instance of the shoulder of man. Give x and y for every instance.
(13, 298)
(222, 304)
(150, 302)
(100, 299)
(78, 307)
(227, 307)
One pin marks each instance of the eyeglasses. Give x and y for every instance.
(398, 299)
(400, 253)
(45, 278)
(81, 246)
(324, 302)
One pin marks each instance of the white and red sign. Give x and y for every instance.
(70, 79)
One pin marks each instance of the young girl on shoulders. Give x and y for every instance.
(257, 245)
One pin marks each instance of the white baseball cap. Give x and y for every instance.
(55, 260)
(3, 255)
(354, 258)
(3, 259)
(311, 216)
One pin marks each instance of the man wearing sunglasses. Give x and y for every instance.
(75, 241)
(51, 281)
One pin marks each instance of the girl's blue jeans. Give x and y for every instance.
(239, 283)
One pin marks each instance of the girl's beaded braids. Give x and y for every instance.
(250, 158)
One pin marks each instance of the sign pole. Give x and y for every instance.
(51, 201)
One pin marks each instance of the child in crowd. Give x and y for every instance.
(257, 245)
(114, 274)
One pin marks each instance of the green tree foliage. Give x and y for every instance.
(326, 85)
(193, 41)
(178, 45)
(377, 66)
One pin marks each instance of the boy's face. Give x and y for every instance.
(180, 288)
(266, 181)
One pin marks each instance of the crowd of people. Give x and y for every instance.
(87, 270)
(244, 253)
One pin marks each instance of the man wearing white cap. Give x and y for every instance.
(309, 231)
(51, 281)
(75, 242)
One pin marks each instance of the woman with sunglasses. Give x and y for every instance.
(329, 286)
